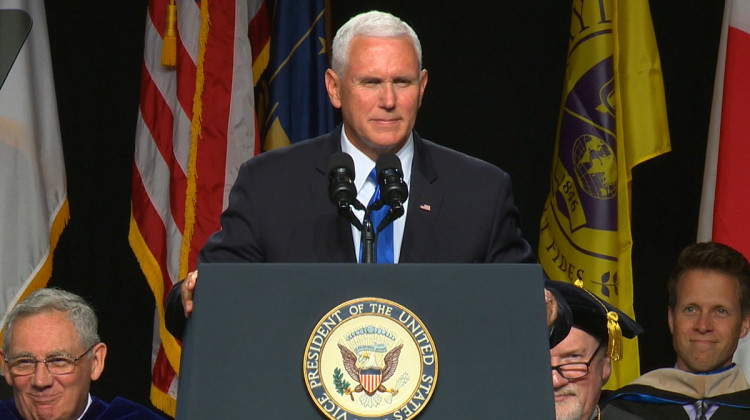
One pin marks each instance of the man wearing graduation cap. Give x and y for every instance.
(581, 362)
(708, 312)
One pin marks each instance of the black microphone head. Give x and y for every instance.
(393, 189)
(388, 161)
(341, 161)
(341, 189)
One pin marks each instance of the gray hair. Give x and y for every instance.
(374, 24)
(80, 314)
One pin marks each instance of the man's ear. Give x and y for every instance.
(333, 86)
(6, 371)
(606, 369)
(97, 364)
(422, 85)
(745, 325)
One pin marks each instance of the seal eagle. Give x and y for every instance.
(354, 366)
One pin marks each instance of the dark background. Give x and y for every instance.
(496, 71)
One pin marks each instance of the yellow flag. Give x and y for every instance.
(613, 116)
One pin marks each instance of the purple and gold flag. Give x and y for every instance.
(613, 116)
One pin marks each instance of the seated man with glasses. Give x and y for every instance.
(581, 362)
(51, 353)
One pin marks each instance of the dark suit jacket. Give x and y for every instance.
(461, 210)
(120, 409)
(642, 402)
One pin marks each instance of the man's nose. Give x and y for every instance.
(41, 378)
(704, 323)
(558, 380)
(387, 95)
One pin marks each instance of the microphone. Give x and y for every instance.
(393, 189)
(341, 189)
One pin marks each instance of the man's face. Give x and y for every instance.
(43, 395)
(379, 93)
(706, 322)
(576, 399)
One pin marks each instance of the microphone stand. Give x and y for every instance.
(368, 234)
(369, 239)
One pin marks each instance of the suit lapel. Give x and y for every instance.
(425, 199)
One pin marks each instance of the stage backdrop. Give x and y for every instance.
(496, 73)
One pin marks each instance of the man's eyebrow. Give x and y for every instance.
(53, 353)
(573, 356)
(580, 354)
(23, 354)
(58, 353)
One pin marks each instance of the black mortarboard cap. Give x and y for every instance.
(597, 317)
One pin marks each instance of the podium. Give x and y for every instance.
(245, 344)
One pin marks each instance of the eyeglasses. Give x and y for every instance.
(573, 371)
(56, 365)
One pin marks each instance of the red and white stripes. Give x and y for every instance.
(196, 125)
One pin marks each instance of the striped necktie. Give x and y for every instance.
(701, 407)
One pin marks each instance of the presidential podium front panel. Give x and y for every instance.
(348, 341)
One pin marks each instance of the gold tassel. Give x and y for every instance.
(614, 332)
(169, 47)
(614, 348)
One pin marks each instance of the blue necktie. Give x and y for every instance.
(385, 238)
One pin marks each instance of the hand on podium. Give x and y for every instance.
(188, 288)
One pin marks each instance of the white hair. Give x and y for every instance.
(374, 24)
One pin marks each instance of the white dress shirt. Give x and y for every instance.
(362, 167)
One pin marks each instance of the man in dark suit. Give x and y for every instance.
(459, 210)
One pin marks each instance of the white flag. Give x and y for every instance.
(33, 195)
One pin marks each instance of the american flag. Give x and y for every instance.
(196, 125)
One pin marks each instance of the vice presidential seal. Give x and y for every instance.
(370, 358)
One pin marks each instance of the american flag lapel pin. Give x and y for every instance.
(425, 207)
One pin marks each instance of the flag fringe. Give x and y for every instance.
(42, 276)
(163, 401)
(191, 194)
(152, 272)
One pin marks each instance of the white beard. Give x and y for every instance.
(572, 409)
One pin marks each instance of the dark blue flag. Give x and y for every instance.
(292, 101)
